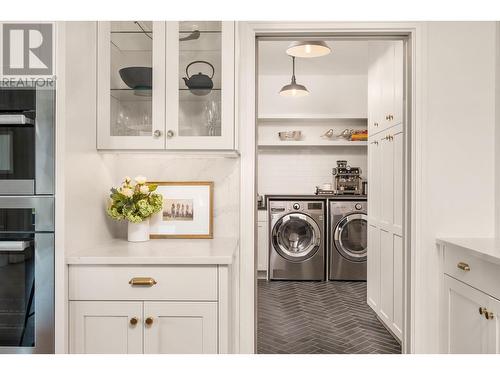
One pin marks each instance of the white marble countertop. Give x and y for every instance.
(487, 248)
(168, 251)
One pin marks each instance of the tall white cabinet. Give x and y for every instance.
(162, 100)
(386, 182)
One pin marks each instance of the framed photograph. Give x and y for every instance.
(187, 210)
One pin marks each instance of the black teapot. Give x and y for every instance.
(199, 84)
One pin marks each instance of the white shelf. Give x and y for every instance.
(314, 144)
(315, 117)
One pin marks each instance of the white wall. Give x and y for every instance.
(497, 132)
(86, 177)
(90, 174)
(224, 172)
(458, 153)
(290, 170)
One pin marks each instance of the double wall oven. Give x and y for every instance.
(27, 219)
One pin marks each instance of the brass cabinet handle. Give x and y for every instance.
(463, 266)
(149, 321)
(482, 310)
(142, 281)
(134, 321)
(375, 124)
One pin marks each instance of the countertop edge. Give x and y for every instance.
(225, 257)
(476, 250)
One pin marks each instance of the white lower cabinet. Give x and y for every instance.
(466, 329)
(104, 327)
(180, 327)
(471, 304)
(262, 241)
(153, 316)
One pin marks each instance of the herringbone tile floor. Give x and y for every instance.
(319, 317)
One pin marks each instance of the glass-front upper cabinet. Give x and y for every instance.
(131, 85)
(200, 85)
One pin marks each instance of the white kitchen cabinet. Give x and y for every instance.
(202, 119)
(373, 268)
(466, 328)
(149, 309)
(163, 112)
(180, 327)
(130, 118)
(111, 327)
(471, 300)
(385, 85)
(385, 274)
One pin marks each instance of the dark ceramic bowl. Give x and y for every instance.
(137, 77)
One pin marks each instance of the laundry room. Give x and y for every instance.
(320, 268)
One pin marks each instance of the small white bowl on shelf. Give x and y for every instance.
(294, 135)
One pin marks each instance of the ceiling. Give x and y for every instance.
(347, 57)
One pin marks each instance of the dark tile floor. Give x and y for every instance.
(319, 317)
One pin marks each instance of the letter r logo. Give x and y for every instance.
(27, 49)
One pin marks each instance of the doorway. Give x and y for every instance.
(314, 294)
(250, 149)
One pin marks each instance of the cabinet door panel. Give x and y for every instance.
(494, 327)
(387, 85)
(373, 267)
(374, 180)
(200, 118)
(398, 286)
(130, 115)
(99, 327)
(374, 89)
(386, 180)
(181, 328)
(396, 143)
(398, 82)
(386, 277)
(466, 330)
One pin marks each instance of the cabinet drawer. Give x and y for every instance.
(180, 283)
(481, 275)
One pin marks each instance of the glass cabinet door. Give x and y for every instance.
(131, 85)
(200, 85)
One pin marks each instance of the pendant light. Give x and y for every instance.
(293, 88)
(311, 48)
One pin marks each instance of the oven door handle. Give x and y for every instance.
(14, 245)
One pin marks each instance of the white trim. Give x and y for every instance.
(246, 96)
(60, 269)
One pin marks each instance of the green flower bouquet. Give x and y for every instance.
(134, 201)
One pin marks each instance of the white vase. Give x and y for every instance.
(138, 232)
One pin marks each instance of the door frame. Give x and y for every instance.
(246, 89)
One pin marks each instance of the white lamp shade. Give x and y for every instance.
(308, 49)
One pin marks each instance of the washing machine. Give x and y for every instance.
(297, 249)
(348, 226)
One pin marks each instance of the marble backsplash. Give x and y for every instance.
(224, 172)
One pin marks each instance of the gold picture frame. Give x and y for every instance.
(180, 210)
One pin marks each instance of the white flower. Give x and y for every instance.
(141, 180)
(127, 192)
(127, 179)
(144, 189)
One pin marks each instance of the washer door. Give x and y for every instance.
(296, 237)
(350, 237)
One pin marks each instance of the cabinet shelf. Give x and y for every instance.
(313, 143)
(311, 117)
(132, 95)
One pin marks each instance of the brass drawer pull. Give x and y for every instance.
(482, 310)
(142, 281)
(134, 321)
(463, 266)
(149, 321)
